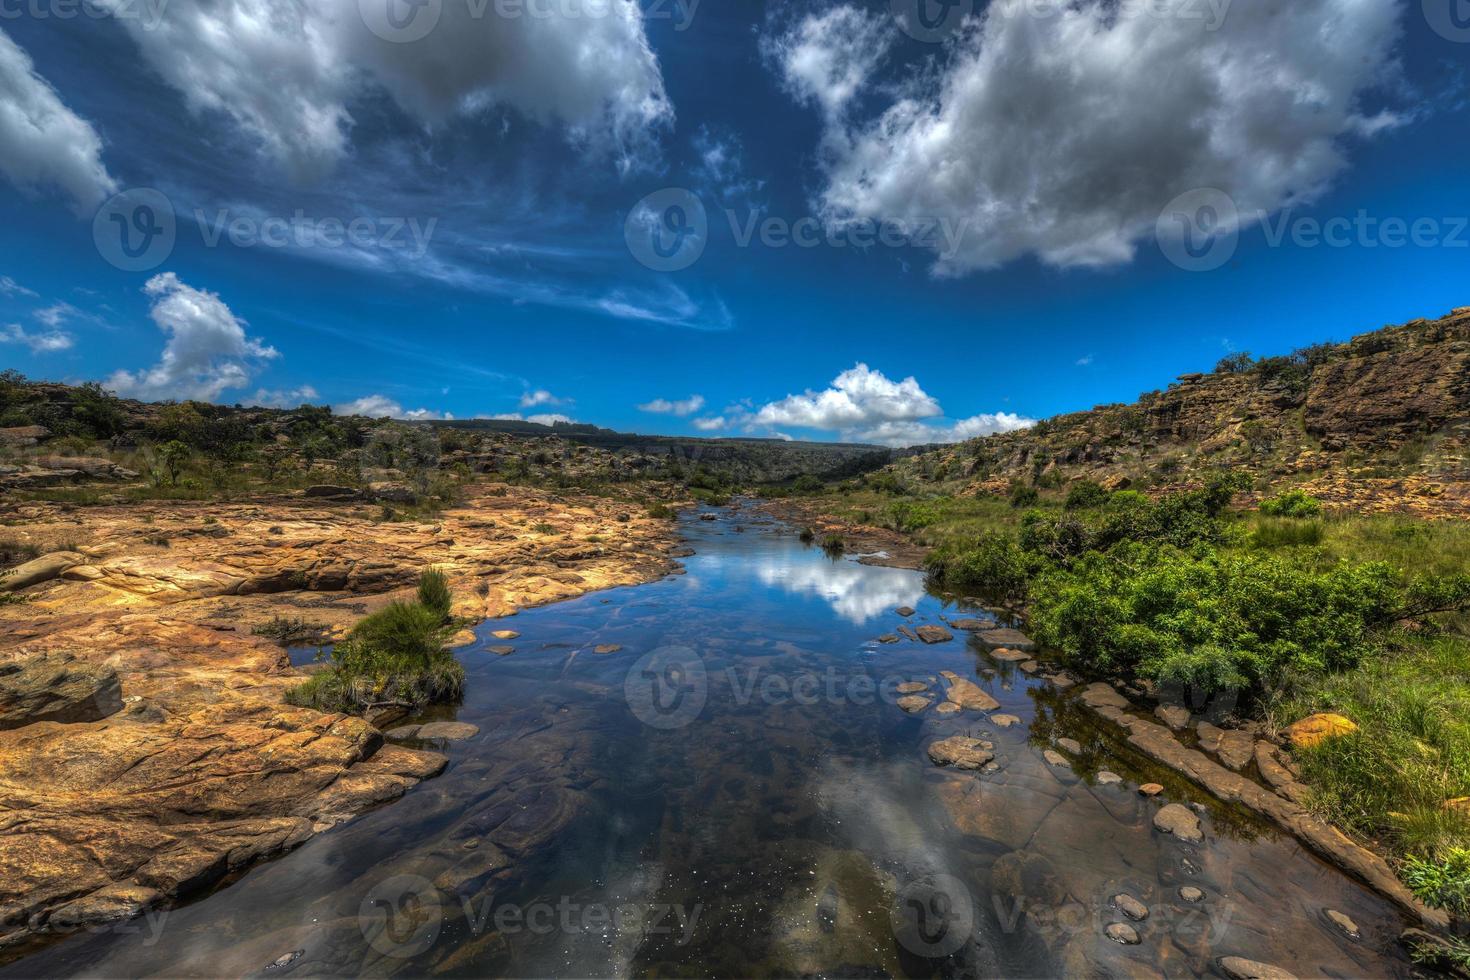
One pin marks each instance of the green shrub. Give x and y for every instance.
(434, 592)
(834, 545)
(395, 655)
(1292, 503)
(1442, 884)
(1085, 494)
(1024, 496)
(1286, 533)
(994, 566)
(1209, 620)
(662, 512)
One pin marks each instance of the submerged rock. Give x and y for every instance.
(1240, 968)
(1191, 894)
(1130, 907)
(960, 751)
(1071, 745)
(1106, 778)
(905, 611)
(1010, 639)
(1180, 821)
(967, 694)
(913, 703)
(912, 687)
(1343, 922)
(1004, 721)
(934, 634)
(607, 648)
(1121, 932)
(452, 731)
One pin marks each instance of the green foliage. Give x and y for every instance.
(1287, 533)
(542, 527)
(834, 545)
(1085, 494)
(993, 565)
(1209, 620)
(1292, 503)
(1237, 363)
(395, 655)
(1443, 884)
(434, 592)
(172, 456)
(1023, 496)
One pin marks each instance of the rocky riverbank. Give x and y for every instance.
(145, 752)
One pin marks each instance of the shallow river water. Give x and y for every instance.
(735, 793)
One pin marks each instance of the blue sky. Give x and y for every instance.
(494, 169)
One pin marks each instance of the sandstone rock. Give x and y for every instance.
(1317, 728)
(1029, 667)
(905, 611)
(1240, 968)
(1180, 821)
(888, 638)
(971, 625)
(329, 491)
(39, 570)
(1191, 894)
(1173, 715)
(1010, 639)
(500, 650)
(1121, 932)
(913, 703)
(1106, 778)
(1071, 745)
(1100, 695)
(934, 634)
(947, 708)
(1343, 922)
(1236, 749)
(1150, 789)
(463, 638)
(912, 687)
(449, 731)
(910, 634)
(56, 688)
(1009, 656)
(960, 752)
(1004, 721)
(24, 435)
(392, 493)
(1130, 906)
(505, 634)
(1055, 758)
(966, 694)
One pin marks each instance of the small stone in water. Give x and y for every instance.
(1150, 789)
(287, 960)
(912, 687)
(1121, 932)
(1240, 968)
(1105, 778)
(607, 648)
(1004, 721)
(1071, 745)
(1191, 894)
(1054, 757)
(1343, 922)
(1130, 907)
(501, 651)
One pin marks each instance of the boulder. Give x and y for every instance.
(39, 570)
(392, 493)
(56, 688)
(1173, 715)
(24, 435)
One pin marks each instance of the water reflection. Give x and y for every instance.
(857, 593)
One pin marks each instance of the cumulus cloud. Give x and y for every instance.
(544, 418)
(864, 405)
(1064, 133)
(45, 342)
(287, 72)
(663, 406)
(9, 287)
(284, 397)
(207, 351)
(539, 397)
(381, 406)
(713, 423)
(42, 142)
(827, 58)
(858, 397)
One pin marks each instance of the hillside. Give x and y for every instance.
(1381, 422)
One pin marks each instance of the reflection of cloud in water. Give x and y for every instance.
(856, 592)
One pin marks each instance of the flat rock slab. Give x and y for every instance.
(971, 625)
(1054, 758)
(913, 703)
(501, 651)
(1004, 636)
(947, 708)
(505, 635)
(1009, 655)
(1004, 721)
(912, 687)
(1100, 695)
(607, 648)
(888, 638)
(967, 694)
(451, 731)
(961, 751)
(905, 611)
(1181, 821)
(59, 688)
(1240, 968)
(934, 634)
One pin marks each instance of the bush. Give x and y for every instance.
(1292, 503)
(1208, 620)
(662, 512)
(1236, 363)
(1085, 494)
(994, 566)
(1024, 496)
(1442, 884)
(395, 655)
(434, 593)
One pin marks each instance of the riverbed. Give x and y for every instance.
(710, 775)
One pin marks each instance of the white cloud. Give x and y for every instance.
(56, 314)
(9, 287)
(40, 343)
(864, 405)
(539, 419)
(1086, 360)
(663, 406)
(42, 142)
(286, 71)
(540, 397)
(858, 397)
(284, 397)
(712, 424)
(1064, 135)
(829, 57)
(381, 406)
(207, 351)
